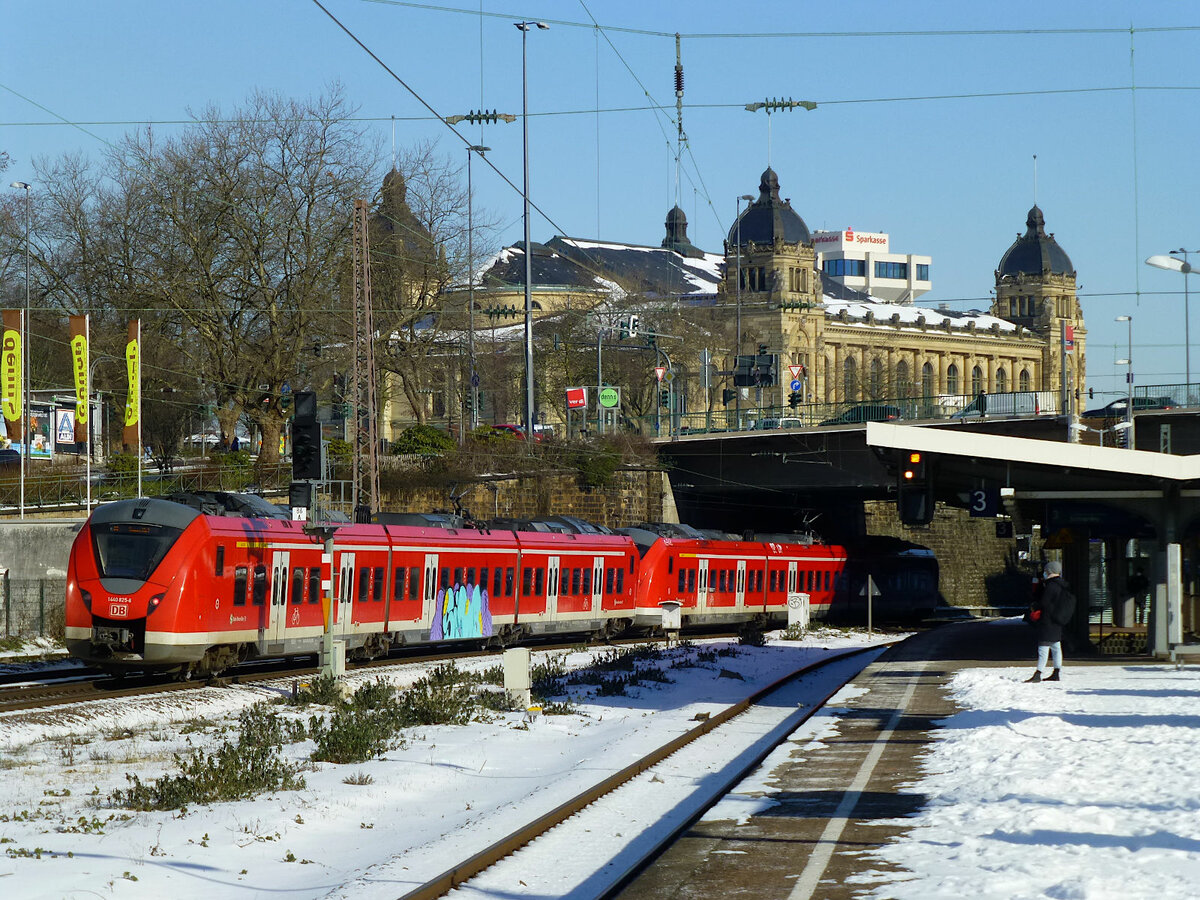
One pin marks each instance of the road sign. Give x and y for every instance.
(795, 385)
(659, 372)
(576, 398)
(668, 377)
(795, 372)
(610, 397)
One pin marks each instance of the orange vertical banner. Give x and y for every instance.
(11, 386)
(79, 368)
(132, 435)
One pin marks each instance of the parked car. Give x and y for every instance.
(769, 424)
(865, 412)
(540, 432)
(1116, 409)
(1014, 403)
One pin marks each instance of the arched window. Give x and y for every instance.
(1023, 380)
(903, 388)
(1001, 381)
(928, 388)
(876, 378)
(849, 379)
(952, 379)
(977, 384)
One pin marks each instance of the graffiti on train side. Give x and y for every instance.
(462, 611)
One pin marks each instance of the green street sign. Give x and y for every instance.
(610, 397)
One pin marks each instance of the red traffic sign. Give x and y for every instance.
(659, 372)
(577, 398)
(796, 371)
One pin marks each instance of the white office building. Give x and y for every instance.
(861, 260)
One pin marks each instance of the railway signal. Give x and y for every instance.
(914, 488)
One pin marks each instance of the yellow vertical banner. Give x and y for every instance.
(131, 436)
(10, 373)
(79, 367)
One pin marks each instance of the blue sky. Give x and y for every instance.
(951, 176)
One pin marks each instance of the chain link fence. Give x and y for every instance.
(34, 607)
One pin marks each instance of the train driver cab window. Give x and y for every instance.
(239, 586)
(314, 585)
(220, 567)
(297, 586)
(259, 596)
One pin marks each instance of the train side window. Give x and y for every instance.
(239, 586)
(631, 565)
(670, 564)
(398, 583)
(471, 576)
(414, 582)
(220, 567)
(458, 575)
(826, 579)
(526, 581)
(587, 582)
(377, 587)
(297, 586)
(682, 580)
(691, 585)
(497, 582)
(576, 576)
(774, 581)
(314, 585)
(483, 579)
(364, 575)
(721, 574)
(445, 578)
(539, 585)
(510, 582)
(621, 580)
(608, 580)
(810, 579)
(259, 595)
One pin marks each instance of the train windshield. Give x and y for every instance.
(125, 550)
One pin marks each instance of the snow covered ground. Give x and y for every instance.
(445, 793)
(1088, 789)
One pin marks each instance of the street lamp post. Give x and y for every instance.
(474, 376)
(1171, 263)
(25, 436)
(1128, 361)
(738, 347)
(524, 29)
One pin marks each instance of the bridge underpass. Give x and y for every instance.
(1080, 494)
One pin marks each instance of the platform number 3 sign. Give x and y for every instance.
(985, 501)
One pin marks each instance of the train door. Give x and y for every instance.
(740, 597)
(345, 596)
(278, 611)
(552, 591)
(701, 584)
(429, 609)
(597, 583)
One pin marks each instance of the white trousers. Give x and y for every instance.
(1054, 651)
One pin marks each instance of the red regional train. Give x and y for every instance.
(155, 584)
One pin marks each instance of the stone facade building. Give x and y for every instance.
(855, 349)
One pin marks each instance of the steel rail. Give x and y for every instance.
(472, 866)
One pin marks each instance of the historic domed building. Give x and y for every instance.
(855, 348)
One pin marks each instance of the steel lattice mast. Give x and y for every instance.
(365, 408)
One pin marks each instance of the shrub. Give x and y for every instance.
(236, 770)
(423, 439)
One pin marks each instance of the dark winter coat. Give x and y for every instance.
(1057, 605)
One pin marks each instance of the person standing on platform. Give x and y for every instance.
(1137, 586)
(1051, 611)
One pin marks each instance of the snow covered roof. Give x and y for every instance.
(883, 314)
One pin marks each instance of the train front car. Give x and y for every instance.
(125, 578)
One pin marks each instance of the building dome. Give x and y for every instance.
(1035, 252)
(677, 236)
(768, 218)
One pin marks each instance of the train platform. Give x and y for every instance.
(946, 775)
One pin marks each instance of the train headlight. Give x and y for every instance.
(153, 604)
(86, 598)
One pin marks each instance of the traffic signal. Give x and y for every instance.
(664, 398)
(794, 399)
(727, 395)
(633, 326)
(306, 439)
(743, 372)
(914, 489)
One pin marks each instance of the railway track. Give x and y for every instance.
(583, 823)
(92, 685)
